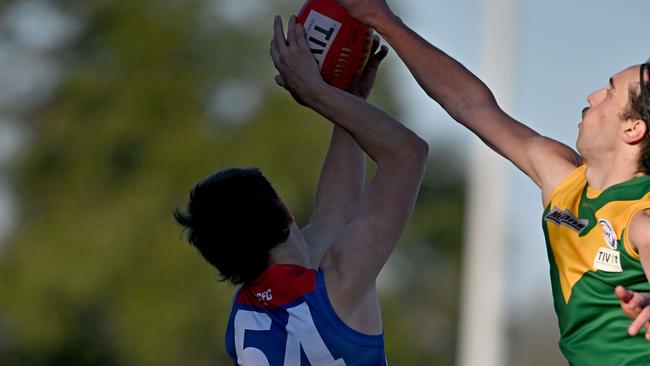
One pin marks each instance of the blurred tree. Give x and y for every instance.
(156, 95)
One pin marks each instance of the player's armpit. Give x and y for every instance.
(319, 237)
(551, 162)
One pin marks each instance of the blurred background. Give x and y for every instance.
(110, 111)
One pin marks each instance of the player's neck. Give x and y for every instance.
(604, 173)
(292, 251)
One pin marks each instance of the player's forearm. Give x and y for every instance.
(443, 78)
(380, 135)
(341, 180)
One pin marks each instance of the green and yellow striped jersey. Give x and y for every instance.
(589, 256)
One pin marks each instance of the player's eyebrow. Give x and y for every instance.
(611, 83)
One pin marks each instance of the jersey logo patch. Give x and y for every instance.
(610, 234)
(608, 260)
(264, 296)
(566, 219)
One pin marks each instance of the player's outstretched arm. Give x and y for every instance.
(341, 179)
(467, 99)
(357, 255)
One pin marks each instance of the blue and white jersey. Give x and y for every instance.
(285, 318)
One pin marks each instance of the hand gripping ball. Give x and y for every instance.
(340, 43)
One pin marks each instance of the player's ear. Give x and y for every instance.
(634, 131)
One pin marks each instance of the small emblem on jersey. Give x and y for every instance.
(608, 260)
(610, 234)
(264, 297)
(566, 218)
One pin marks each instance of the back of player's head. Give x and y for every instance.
(639, 108)
(234, 218)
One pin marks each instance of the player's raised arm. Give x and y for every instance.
(337, 194)
(358, 254)
(467, 99)
(341, 179)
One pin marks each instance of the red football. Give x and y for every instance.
(340, 43)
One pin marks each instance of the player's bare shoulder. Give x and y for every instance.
(552, 162)
(639, 231)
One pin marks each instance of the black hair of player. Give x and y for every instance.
(234, 218)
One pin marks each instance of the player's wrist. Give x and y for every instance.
(315, 94)
(383, 22)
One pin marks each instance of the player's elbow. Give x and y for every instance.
(404, 156)
(419, 150)
(413, 154)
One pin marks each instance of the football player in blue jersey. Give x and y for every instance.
(309, 296)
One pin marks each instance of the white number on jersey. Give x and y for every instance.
(253, 321)
(301, 332)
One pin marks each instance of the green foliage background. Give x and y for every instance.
(95, 273)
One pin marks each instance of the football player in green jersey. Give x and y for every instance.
(597, 200)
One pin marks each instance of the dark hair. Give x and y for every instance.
(639, 108)
(234, 218)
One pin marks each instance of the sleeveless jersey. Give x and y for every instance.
(285, 318)
(589, 256)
